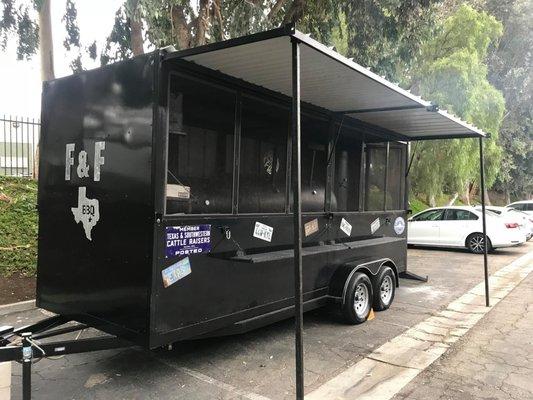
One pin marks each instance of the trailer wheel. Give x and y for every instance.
(357, 299)
(385, 289)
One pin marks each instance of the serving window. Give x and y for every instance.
(315, 140)
(385, 177)
(263, 155)
(347, 172)
(200, 147)
(229, 153)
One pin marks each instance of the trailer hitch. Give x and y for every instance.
(22, 344)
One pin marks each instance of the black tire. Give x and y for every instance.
(475, 243)
(357, 301)
(385, 289)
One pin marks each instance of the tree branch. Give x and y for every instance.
(275, 9)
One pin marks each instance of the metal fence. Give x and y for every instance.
(18, 143)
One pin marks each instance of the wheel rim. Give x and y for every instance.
(361, 299)
(477, 243)
(386, 289)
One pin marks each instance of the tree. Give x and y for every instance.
(386, 35)
(453, 73)
(510, 71)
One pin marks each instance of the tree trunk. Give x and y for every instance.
(46, 47)
(455, 196)
(295, 12)
(46, 52)
(180, 28)
(136, 29)
(465, 196)
(202, 22)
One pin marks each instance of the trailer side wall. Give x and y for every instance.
(95, 196)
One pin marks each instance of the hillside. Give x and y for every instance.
(18, 226)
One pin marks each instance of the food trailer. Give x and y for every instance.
(170, 186)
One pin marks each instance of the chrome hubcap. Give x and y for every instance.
(478, 243)
(361, 300)
(386, 289)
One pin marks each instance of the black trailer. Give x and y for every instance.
(170, 185)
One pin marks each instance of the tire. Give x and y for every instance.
(385, 289)
(474, 243)
(357, 299)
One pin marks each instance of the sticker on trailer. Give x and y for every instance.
(346, 227)
(263, 232)
(374, 226)
(399, 225)
(176, 272)
(311, 227)
(188, 240)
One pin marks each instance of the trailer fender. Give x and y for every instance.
(342, 275)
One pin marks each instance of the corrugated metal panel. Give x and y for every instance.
(333, 82)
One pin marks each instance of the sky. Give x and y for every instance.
(20, 81)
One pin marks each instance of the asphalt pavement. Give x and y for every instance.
(259, 365)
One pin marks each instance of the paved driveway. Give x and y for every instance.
(259, 364)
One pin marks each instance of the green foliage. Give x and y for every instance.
(416, 205)
(452, 72)
(70, 20)
(18, 226)
(19, 23)
(510, 72)
(118, 42)
(385, 35)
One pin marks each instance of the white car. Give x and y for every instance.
(509, 214)
(524, 206)
(461, 227)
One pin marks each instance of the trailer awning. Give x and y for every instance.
(329, 81)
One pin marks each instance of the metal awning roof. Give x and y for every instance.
(329, 81)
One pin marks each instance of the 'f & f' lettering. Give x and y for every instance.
(69, 160)
(83, 167)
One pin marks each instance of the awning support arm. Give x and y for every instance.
(296, 179)
(381, 109)
(484, 219)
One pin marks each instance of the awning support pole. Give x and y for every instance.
(297, 218)
(483, 218)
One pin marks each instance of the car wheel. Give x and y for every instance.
(357, 299)
(476, 243)
(385, 289)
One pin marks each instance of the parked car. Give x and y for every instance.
(524, 206)
(461, 227)
(509, 214)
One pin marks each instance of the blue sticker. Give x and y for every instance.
(176, 272)
(187, 240)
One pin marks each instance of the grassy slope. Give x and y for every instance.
(18, 226)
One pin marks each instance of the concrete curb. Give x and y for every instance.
(17, 307)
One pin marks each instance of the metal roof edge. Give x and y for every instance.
(285, 30)
(309, 41)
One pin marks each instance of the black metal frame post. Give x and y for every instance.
(296, 179)
(483, 218)
(27, 358)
